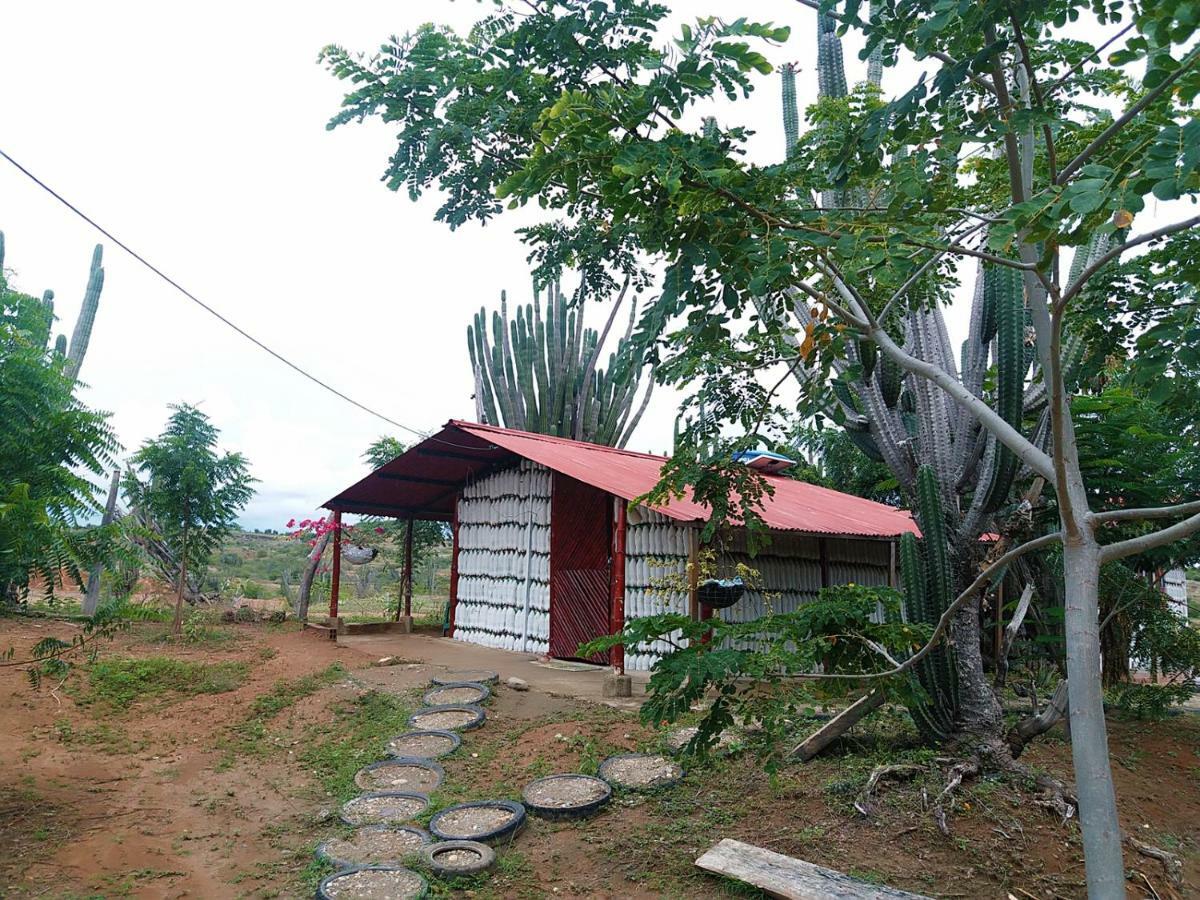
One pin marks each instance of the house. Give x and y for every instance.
(549, 551)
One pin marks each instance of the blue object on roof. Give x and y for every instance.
(764, 460)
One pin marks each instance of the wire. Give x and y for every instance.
(175, 284)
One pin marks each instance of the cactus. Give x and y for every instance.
(74, 352)
(791, 115)
(543, 375)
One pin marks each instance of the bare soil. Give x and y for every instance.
(156, 801)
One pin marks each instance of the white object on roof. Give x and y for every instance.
(764, 460)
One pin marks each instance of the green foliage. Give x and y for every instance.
(250, 735)
(192, 493)
(1148, 701)
(354, 738)
(427, 536)
(51, 446)
(836, 632)
(118, 682)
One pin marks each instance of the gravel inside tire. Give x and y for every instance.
(374, 845)
(452, 859)
(383, 808)
(569, 796)
(449, 717)
(640, 771)
(466, 676)
(485, 821)
(428, 744)
(373, 883)
(404, 773)
(457, 693)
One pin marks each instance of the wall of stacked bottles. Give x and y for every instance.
(789, 572)
(656, 547)
(504, 560)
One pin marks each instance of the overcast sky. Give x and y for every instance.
(197, 135)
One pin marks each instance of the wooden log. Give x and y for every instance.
(837, 726)
(794, 879)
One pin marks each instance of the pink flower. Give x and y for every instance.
(291, 523)
(378, 530)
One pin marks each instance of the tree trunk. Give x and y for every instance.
(310, 571)
(91, 599)
(1089, 736)
(980, 714)
(177, 626)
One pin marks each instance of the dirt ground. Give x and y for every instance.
(159, 801)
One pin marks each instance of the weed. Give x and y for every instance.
(104, 737)
(118, 682)
(249, 736)
(355, 738)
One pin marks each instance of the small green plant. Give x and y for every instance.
(1148, 701)
(120, 681)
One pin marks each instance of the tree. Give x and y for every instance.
(834, 263)
(191, 492)
(51, 446)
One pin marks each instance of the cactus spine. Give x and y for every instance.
(543, 375)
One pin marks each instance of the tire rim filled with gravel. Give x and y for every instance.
(640, 771)
(457, 693)
(373, 883)
(405, 773)
(383, 808)
(453, 717)
(561, 797)
(428, 744)
(374, 845)
(454, 859)
(485, 821)
(467, 676)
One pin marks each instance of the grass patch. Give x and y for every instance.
(118, 682)
(354, 738)
(104, 737)
(250, 735)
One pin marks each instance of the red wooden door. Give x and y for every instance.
(580, 518)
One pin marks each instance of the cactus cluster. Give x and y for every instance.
(82, 333)
(542, 375)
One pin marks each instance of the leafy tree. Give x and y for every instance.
(190, 491)
(834, 263)
(51, 446)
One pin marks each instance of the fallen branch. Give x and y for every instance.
(957, 773)
(1171, 863)
(902, 771)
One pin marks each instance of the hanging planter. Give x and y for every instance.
(358, 555)
(720, 593)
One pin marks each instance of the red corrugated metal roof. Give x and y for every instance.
(422, 482)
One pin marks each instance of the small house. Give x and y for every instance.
(550, 551)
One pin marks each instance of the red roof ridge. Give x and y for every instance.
(552, 439)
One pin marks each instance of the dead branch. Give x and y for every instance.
(957, 773)
(1171, 863)
(1027, 729)
(837, 726)
(899, 772)
(1010, 633)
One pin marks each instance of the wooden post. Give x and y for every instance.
(693, 573)
(453, 567)
(408, 572)
(823, 552)
(892, 580)
(336, 583)
(617, 614)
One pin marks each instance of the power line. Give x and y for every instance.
(208, 309)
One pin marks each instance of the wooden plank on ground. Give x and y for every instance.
(794, 879)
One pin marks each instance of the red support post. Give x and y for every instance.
(408, 571)
(617, 620)
(454, 567)
(336, 583)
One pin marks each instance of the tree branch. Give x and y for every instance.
(1145, 542)
(1148, 512)
(1129, 115)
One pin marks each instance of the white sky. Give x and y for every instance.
(197, 135)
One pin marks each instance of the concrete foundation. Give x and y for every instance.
(617, 686)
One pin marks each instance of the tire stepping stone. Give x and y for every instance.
(485, 821)
(448, 717)
(640, 771)
(469, 676)
(457, 692)
(405, 773)
(383, 808)
(374, 845)
(562, 797)
(453, 859)
(373, 883)
(428, 744)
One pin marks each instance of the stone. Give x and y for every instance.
(517, 684)
(617, 685)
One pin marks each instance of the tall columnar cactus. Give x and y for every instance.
(791, 114)
(82, 334)
(542, 375)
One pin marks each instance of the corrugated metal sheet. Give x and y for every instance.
(422, 482)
